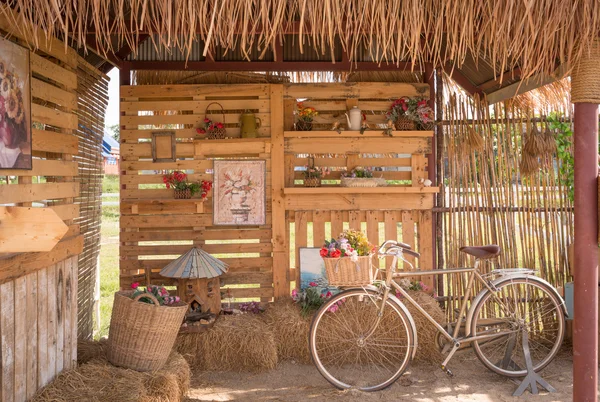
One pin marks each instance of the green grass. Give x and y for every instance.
(110, 184)
(109, 256)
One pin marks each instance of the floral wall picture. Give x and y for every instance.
(239, 192)
(15, 106)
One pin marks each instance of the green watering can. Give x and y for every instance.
(249, 123)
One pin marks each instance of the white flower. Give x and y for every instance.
(354, 255)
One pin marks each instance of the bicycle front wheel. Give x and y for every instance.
(524, 304)
(353, 347)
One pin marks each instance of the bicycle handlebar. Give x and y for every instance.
(391, 247)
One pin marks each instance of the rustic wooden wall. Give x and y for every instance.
(39, 291)
(155, 228)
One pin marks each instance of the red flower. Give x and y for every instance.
(422, 103)
(135, 285)
(313, 284)
(201, 131)
(219, 125)
(336, 254)
(206, 120)
(324, 252)
(404, 107)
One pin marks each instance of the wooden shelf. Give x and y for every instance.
(160, 200)
(361, 190)
(348, 133)
(233, 140)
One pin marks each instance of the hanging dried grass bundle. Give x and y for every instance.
(549, 141)
(529, 164)
(474, 140)
(534, 143)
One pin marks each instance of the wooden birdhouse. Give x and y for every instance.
(198, 280)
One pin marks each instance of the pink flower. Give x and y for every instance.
(206, 120)
(294, 293)
(333, 308)
(313, 284)
(135, 285)
(164, 292)
(328, 295)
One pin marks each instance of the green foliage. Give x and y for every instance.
(115, 131)
(110, 184)
(564, 146)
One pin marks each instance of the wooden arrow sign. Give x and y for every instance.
(26, 229)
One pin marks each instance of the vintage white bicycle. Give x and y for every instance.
(365, 337)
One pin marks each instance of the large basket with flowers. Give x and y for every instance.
(349, 260)
(410, 114)
(143, 327)
(361, 177)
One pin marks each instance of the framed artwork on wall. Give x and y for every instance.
(239, 192)
(15, 106)
(163, 146)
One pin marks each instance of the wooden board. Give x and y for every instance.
(29, 229)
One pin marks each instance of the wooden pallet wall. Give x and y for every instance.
(400, 211)
(155, 228)
(38, 291)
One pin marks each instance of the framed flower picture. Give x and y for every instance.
(239, 192)
(15, 106)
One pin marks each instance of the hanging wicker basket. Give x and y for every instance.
(216, 133)
(404, 124)
(344, 272)
(312, 182)
(303, 125)
(183, 194)
(142, 335)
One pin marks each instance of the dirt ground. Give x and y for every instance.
(423, 383)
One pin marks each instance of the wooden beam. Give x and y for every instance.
(209, 65)
(461, 80)
(497, 82)
(518, 88)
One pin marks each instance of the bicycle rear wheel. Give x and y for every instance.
(353, 348)
(531, 305)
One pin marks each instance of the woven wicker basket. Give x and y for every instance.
(363, 182)
(344, 272)
(312, 182)
(404, 124)
(142, 335)
(183, 194)
(303, 125)
(216, 133)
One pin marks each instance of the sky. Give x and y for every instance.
(112, 111)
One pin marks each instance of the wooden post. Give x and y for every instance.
(281, 280)
(429, 78)
(439, 141)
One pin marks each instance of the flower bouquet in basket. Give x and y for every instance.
(348, 259)
(361, 177)
(406, 113)
(305, 118)
(178, 181)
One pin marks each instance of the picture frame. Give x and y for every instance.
(164, 146)
(312, 268)
(15, 107)
(239, 196)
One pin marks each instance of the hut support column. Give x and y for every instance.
(586, 96)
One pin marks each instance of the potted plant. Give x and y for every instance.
(183, 189)
(411, 113)
(313, 175)
(305, 117)
(348, 259)
(361, 177)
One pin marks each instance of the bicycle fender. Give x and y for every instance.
(506, 278)
(404, 309)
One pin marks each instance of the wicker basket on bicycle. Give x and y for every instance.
(343, 272)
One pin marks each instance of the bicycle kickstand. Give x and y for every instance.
(450, 354)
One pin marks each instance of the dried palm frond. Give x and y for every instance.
(499, 31)
(474, 140)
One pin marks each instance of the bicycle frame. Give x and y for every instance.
(391, 274)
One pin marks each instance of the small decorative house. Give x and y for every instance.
(199, 284)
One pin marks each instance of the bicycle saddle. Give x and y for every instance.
(482, 252)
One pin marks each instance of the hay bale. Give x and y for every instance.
(290, 329)
(99, 381)
(427, 350)
(90, 350)
(234, 343)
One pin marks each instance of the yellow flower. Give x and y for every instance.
(5, 87)
(12, 105)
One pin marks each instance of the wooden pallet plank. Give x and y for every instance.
(54, 94)
(43, 377)
(7, 340)
(14, 193)
(196, 106)
(31, 317)
(74, 289)
(41, 167)
(362, 90)
(52, 323)
(349, 202)
(408, 235)
(20, 353)
(426, 246)
(195, 119)
(360, 145)
(214, 92)
(50, 141)
(58, 294)
(54, 117)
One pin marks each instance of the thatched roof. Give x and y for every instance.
(533, 36)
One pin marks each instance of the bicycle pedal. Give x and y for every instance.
(448, 372)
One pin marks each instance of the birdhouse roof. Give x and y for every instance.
(196, 263)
